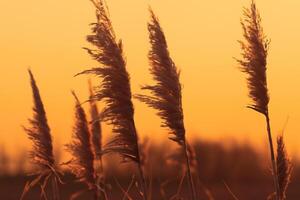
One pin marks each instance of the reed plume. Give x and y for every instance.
(42, 153)
(96, 132)
(114, 90)
(253, 63)
(96, 129)
(166, 93)
(284, 168)
(82, 164)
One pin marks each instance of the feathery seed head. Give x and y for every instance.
(96, 130)
(115, 87)
(284, 168)
(166, 94)
(254, 58)
(81, 149)
(39, 131)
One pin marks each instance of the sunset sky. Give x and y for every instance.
(48, 37)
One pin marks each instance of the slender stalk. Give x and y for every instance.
(139, 165)
(254, 63)
(272, 155)
(55, 188)
(100, 180)
(97, 194)
(189, 174)
(143, 182)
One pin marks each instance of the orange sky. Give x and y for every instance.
(202, 36)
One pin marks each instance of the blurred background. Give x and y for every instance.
(220, 171)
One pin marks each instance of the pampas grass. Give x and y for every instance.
(115, 89)
(166, 94)
(82, 164)
(284, 168)
(42, 153)
(254, 62)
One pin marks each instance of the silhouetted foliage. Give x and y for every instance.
(284, 168)
(114, 90)
(39, 131)
(96, 130)
(115, 87)
(166, 93)
(42, 153)
(81, 149)
(254, 53)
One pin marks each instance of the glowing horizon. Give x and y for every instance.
(202, 37)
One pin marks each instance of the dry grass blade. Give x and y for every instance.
(165, 95)
(177, 195)
(230, 191)
(81, 149)
(284, 168)
(42, 153)
(125, 192)
(207, 192)
(254, 64)
(77, 194)
(31, 184)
